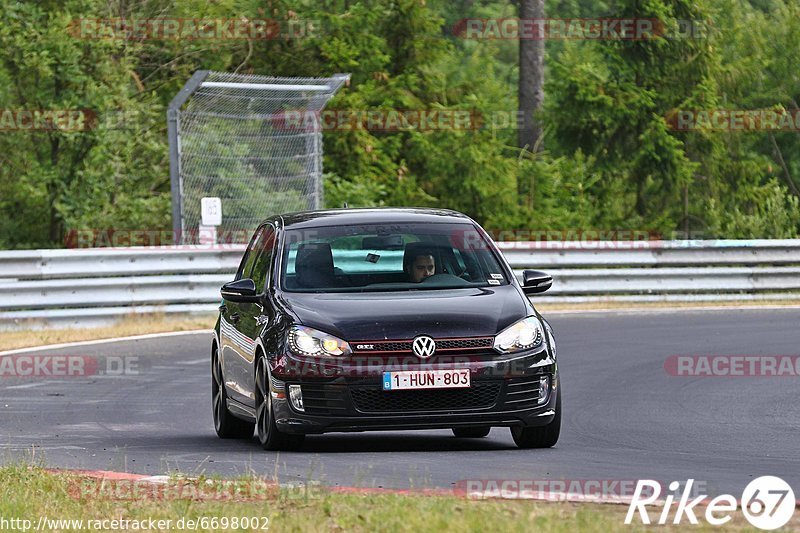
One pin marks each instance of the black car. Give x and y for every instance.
(378, 319)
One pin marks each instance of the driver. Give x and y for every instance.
(421, 266)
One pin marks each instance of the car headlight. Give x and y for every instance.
(522, 335)
(314, 343)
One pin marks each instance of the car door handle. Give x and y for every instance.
(235, 317)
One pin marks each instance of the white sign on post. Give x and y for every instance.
(211, 215)
(211, 211)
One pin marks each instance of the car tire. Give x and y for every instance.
(226, 425)
(542, 436)
(472, 432)
(270, 437)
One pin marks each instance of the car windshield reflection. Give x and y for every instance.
(411, 256)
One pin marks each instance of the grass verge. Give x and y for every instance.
(130, 325)
(30, 493)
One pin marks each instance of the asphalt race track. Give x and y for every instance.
(625, 417)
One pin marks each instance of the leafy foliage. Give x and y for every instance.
(610, 159)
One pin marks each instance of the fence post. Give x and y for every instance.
(173, 127)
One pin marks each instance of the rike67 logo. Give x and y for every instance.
(768, 503)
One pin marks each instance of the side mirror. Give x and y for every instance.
(242, 291)
(534, 281)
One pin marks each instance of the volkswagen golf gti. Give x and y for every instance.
(381, 319)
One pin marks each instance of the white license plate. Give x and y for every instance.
(425, 379)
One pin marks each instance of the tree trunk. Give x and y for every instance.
(531, 78)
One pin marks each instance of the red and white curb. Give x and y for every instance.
(108, 475)
(112, 476)
(550, 497)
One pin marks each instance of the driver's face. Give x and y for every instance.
(423, 267)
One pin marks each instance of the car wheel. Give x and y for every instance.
(226, 425)
(542, 436)
(472, 432)
(268, 434)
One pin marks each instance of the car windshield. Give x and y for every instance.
(388, 257)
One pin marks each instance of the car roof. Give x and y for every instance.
(376, 215)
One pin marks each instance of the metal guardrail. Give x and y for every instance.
(696, 253)
(97, 262)
(85, 287)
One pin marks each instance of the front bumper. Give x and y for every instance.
(503, 392)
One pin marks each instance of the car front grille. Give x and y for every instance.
(374, 400)
(442, 345)
(464, 344)
(389, 346)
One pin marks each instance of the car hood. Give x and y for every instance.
(471, 312)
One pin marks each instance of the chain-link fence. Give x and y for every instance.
(244, 139)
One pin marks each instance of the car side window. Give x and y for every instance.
(251, 254)
(261, 266)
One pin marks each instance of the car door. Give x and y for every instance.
(255, 316)
(234, 346)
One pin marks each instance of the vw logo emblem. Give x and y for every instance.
(423, 347)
